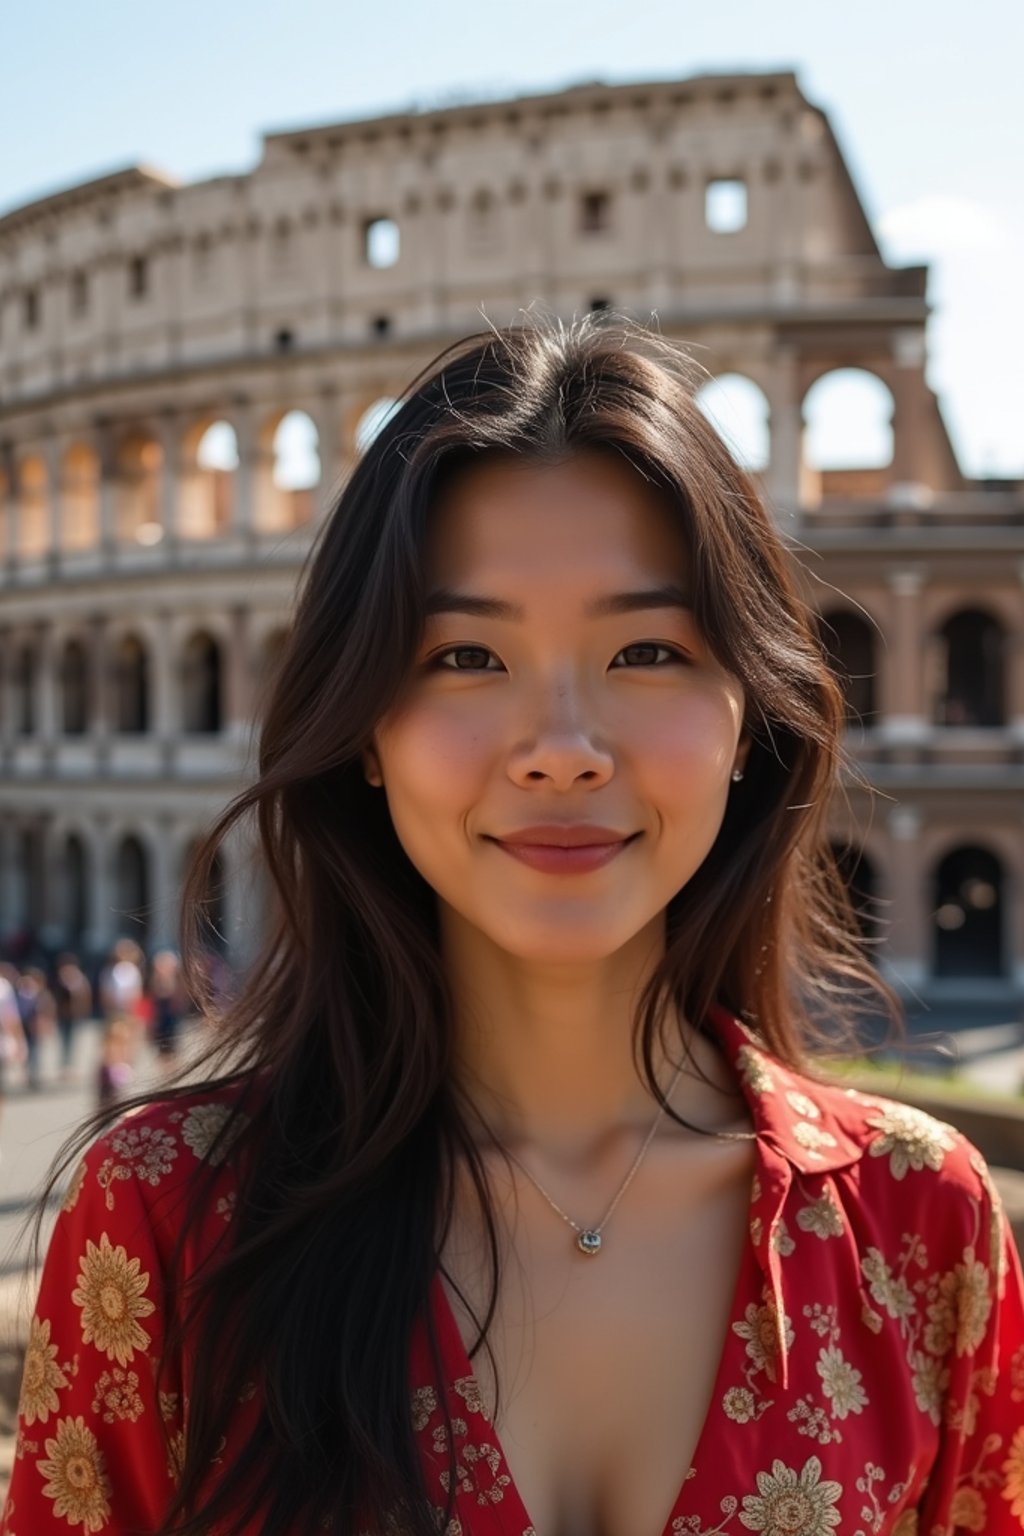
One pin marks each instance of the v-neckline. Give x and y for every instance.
(454, 1353)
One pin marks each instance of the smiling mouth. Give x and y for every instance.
(560, 859)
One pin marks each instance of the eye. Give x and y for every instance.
(466, 658)
(648, 653)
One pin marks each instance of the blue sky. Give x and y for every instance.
(924, 96)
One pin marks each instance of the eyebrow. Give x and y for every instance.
(444, 600)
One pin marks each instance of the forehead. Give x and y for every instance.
(506, 517)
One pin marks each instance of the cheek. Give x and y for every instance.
(432, 756)
(685, 748)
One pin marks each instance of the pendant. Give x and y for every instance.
(589, 1242)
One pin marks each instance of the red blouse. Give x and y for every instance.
(871, 1383)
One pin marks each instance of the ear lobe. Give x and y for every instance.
(371, 769)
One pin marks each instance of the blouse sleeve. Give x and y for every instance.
(97, 1436)
(977, 1483)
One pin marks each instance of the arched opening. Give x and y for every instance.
(29, 881)
(849, 643)
(80, 497)
(139, 471)
(201, 685)
(288, 472)
(972, 670)
(74, 688)
(967, 914)
(738, 410)
(207, 483)
(372, 420)
(861, 881)
(131, 686)
(26, 666)
(75, 885)
(133, 888)
(482, 222)
(848, 436)
(33, 507)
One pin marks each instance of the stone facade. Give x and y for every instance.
(145, 579)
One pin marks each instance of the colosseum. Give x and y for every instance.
(187, 373)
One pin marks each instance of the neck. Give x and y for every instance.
(544, 1051)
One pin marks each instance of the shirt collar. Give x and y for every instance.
(799, 1131)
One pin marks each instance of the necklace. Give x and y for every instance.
(588, 1239)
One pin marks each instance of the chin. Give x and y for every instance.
(555, 944)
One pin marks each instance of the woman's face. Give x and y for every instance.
(561, 694)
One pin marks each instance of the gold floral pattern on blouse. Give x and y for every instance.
(910, 1139)
(42, 1376)
(74, 1188)
(117, 1394)
(144, 1152)
(821, 1216)
(202, 1127)
(791, 1503)
(112, 1296)
(1013, 1472)
(76, 1476)
(761, 1327)
(753, 1070)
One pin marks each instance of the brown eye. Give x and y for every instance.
(647, 654)
(465, 658)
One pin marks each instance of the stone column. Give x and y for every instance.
(165, 714)
(108, 489)
(326, 417)
(46, 685)
(907, 478)
(9, 510)
(169, 433)
(165, 894)
(906, 960)
(903, 708)
(238, 676)
(101, 931)
(243, 506)
(100, 689)
(55, 481)
(782, 477)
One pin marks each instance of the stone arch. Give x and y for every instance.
(138, 475)
(382, 241)
(201, 684)
(33, 506)
(288, 471)
(206, 485)
(482, 216)
(850, 642)
(131, 679)
(738, 409)
(848, 435)
(372, 419)
(80, 497)
(133, 886)
(972, 666)
(74, 687)
(967, 913)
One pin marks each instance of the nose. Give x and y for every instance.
(563, 747)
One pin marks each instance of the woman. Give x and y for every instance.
(514, 1205)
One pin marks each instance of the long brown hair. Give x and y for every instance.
(347, 1164)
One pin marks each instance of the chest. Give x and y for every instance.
(604, 1367)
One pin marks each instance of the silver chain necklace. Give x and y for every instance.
(588, 1239)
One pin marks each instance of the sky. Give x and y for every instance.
(923, 95)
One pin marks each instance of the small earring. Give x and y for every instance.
(737, 774)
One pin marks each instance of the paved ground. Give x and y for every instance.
(34, 1124)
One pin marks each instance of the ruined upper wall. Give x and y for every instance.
(132, 274)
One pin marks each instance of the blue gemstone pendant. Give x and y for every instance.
(589, 1242)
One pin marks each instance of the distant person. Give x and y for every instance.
(72, 994)
(121, 983)
(116, 1071)
(35, 1006)
(167, 999)
(13, 1047)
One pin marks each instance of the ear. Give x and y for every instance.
(371, 768)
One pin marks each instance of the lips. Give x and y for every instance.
(564, 835)
(565, 850)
